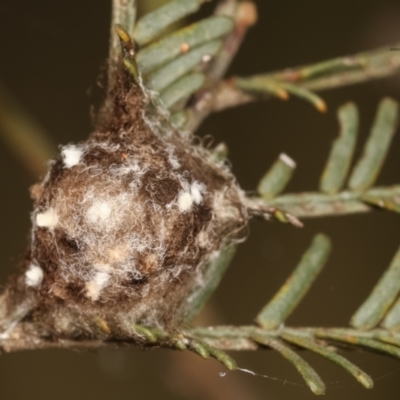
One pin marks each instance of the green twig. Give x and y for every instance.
(124, 14)
(311, 204)
(353, 338)
(331, 74)
(244, 15)
(341, 71)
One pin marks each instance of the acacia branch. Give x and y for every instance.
(244, 15)
(229, 338)
(314, 204)
(123, 13)
(321, 76)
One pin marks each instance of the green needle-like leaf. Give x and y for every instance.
(388, 337)
(220, 152)
(353, 339)
(199, 348)
(220, 355)
(224, 358)
(368, 167)
(260, 85)
(329, 67)
(276, 179)
(308, 373)
(168, 74)
(179, 119)
(324, 351)
(155, 23)
(339, 161)
(181, 89)
(305, 94)
(212, 278)
(390, 203)
(381, 299)
(309, 204)
(392, 319)
(168, 48)
(147, 333)
(298, 284)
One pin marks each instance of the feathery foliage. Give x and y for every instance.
(186, 69)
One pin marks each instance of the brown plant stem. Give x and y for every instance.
(244, 15)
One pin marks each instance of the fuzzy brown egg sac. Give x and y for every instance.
(125, 223)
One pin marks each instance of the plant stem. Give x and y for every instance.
(123, 12)
(236, 338)
(314, 204)
(244, 15)
(325, 75)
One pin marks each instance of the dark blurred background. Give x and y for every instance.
(51, 54)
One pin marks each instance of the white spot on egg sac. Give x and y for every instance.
(173, 160)
(99, 212)
(202, 239)
(118, 253)
(47, 219)
(71, 155)
(196, 189)
(185, 201)
(102, 267)
(33, 276)
(94, 287)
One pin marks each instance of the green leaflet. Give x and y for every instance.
(380, 300)
(310, 344)
(179, 67)
(179, 119)
(213, 276)
(168, 48)
(338, 164)
(155, 23)
(368, 167)
(308, 373)
(277, 177)
(297, 285)
(181, 89)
